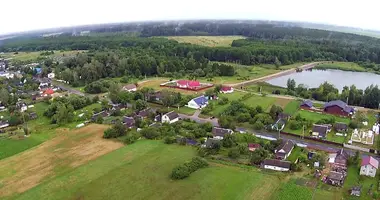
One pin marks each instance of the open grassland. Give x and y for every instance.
(53, 158)
(292, 191)
(33, 56)
(345, 66)
(141, 171)
(209, 41)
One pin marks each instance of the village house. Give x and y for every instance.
(253, 146)
(284, 150)
(339, 159)
(129, 122)
(338, 107)
(156, 96)
(99, 114)
(33, 115)
(219, 133)
(187, 84)
(277, 165)
(340, 127)
(320, 131)
(51, 75)
(170, 117)
(307, 104)
(130, 88)
(335, 178)
(6, 74)
(144, 113)
(369, 166)
(355, 191)
(226, 89)
(4, 124)
(198, 103)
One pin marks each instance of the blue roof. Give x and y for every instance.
(38, 70)
(307, 103)
(201, 100)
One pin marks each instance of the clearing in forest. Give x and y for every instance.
(210, 41)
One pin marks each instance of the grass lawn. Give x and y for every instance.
(209, 41)
(354, 179)
(292, 191)
(296, 153)
(318, 116)
(335, 138)
(292, 107)
(265, 87)
(141, 171)
(345, 66)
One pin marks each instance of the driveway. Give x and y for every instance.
(195, 117)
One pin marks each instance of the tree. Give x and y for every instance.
(141, 105)
(228, 141)
(275, 111)
(113, 93)
(4, 96)
(291, 84)
(64, 114)
(234, 153)
(117, 130)
(258, 156)
(217, 88)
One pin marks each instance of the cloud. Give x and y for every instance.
(21, 15)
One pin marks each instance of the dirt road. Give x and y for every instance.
(282, 73)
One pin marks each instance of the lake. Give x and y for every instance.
(338, 78)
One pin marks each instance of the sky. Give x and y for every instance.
(24, 15)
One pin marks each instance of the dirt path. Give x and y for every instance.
(264, 78)
(68, 150)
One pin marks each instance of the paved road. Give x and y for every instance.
(195, 117)
(69, 89)
(264, 78)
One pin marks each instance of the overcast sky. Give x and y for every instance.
(22, 15)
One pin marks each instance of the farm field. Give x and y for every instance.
(68, 150)
(33, 56)
(291, 190)
(141, 171)
(209, 41)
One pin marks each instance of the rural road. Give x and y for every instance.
(195, 117)
(69, 89)
(282, 73)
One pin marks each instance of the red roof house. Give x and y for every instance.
(253, 146)
(226, 89)
(49, 91)
(188, 84)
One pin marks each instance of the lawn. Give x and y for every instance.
(318, 116)
(141, 171)
(265, 87)
(34, 56)
(292, 191)
(296, 153)
(345, 66)
(354, 179)
(292, 107)
(209, 41)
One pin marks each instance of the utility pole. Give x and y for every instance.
(303, 131)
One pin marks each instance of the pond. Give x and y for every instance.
(314, 78)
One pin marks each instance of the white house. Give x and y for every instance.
(219, 133)
(130, 88)
(51, 75)
(277, 165)
(6, 75)
(170, 117)
(369, 166)
(4, 124)
(198, 103)
(284, 150)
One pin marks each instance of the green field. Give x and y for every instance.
(34, 56)
(292, 191)
(209, 41)
(265, 88)
(318, 116)
(292, 107)
(345, 66)
(141, 171)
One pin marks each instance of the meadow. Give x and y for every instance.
(141, 171)
(344, 66)
(209, 41)
(36, 55)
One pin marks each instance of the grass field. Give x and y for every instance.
(33, 56)
(265, 87)
(318, 116)
(141, 171)
(68, 150)
(345, 66)
(209, 41)
(292, 191)
(354, 179)
(292, 107)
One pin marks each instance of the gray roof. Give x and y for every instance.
(277, 163)
(307, 103)
(287, 146)
(216, 131)
(321, 129)
(340, 104)
(335, 176)
(340, 126)
(172, 115)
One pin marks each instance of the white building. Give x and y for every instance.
(198, 103)
(130, 88)
(6, 75)
(277, 165)
(51, 75)
(170, 117)
(369, 166)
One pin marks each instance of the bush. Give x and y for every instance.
(223, 101)
(258, 125)
(184, 170)
(234, 153)
(169, 140)
(115, 131)
(150, 133)
(131, 138)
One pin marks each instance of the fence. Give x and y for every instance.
(312, 138)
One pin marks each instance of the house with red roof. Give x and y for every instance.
(48, 92)
(226, 89)
(369, 166)
(188, 84)
(253, 146)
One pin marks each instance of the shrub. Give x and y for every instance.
(258, 125)
(169, 140)
(150, 133)
(234, 153)
(132, 137)
(184, 170)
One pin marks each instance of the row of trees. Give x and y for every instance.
(369, 98)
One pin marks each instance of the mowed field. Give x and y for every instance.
(68, 150)
(141, 171)
(24, 56)
(210, 41)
